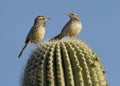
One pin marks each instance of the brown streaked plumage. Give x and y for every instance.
(71, 29)
(36, 33)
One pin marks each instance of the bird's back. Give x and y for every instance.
(36, 34)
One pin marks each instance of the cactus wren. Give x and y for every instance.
(71, 29)
(36, 33)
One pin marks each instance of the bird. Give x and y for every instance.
(71, 28)
(36, 33)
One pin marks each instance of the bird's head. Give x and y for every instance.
(40, 19)
(73, 16)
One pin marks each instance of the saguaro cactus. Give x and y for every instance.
(64, 63)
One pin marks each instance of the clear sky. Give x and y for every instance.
(101, 31)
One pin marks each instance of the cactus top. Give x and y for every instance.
(64, 63)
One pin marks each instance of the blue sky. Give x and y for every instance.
(101, 31)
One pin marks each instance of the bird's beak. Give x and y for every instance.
(48, 18)
(69, 14)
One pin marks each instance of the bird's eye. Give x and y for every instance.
(72, 14)
(43, 18)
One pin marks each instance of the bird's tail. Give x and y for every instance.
(25, 46)
(58, 37)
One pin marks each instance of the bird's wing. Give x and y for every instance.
(64, 28)
(31, 33)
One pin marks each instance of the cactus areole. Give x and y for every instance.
(68, 62)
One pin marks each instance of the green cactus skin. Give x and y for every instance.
(67, 62)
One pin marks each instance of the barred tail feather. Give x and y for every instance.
(25, 46)
(58, 37)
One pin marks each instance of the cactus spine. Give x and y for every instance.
(64, 63)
